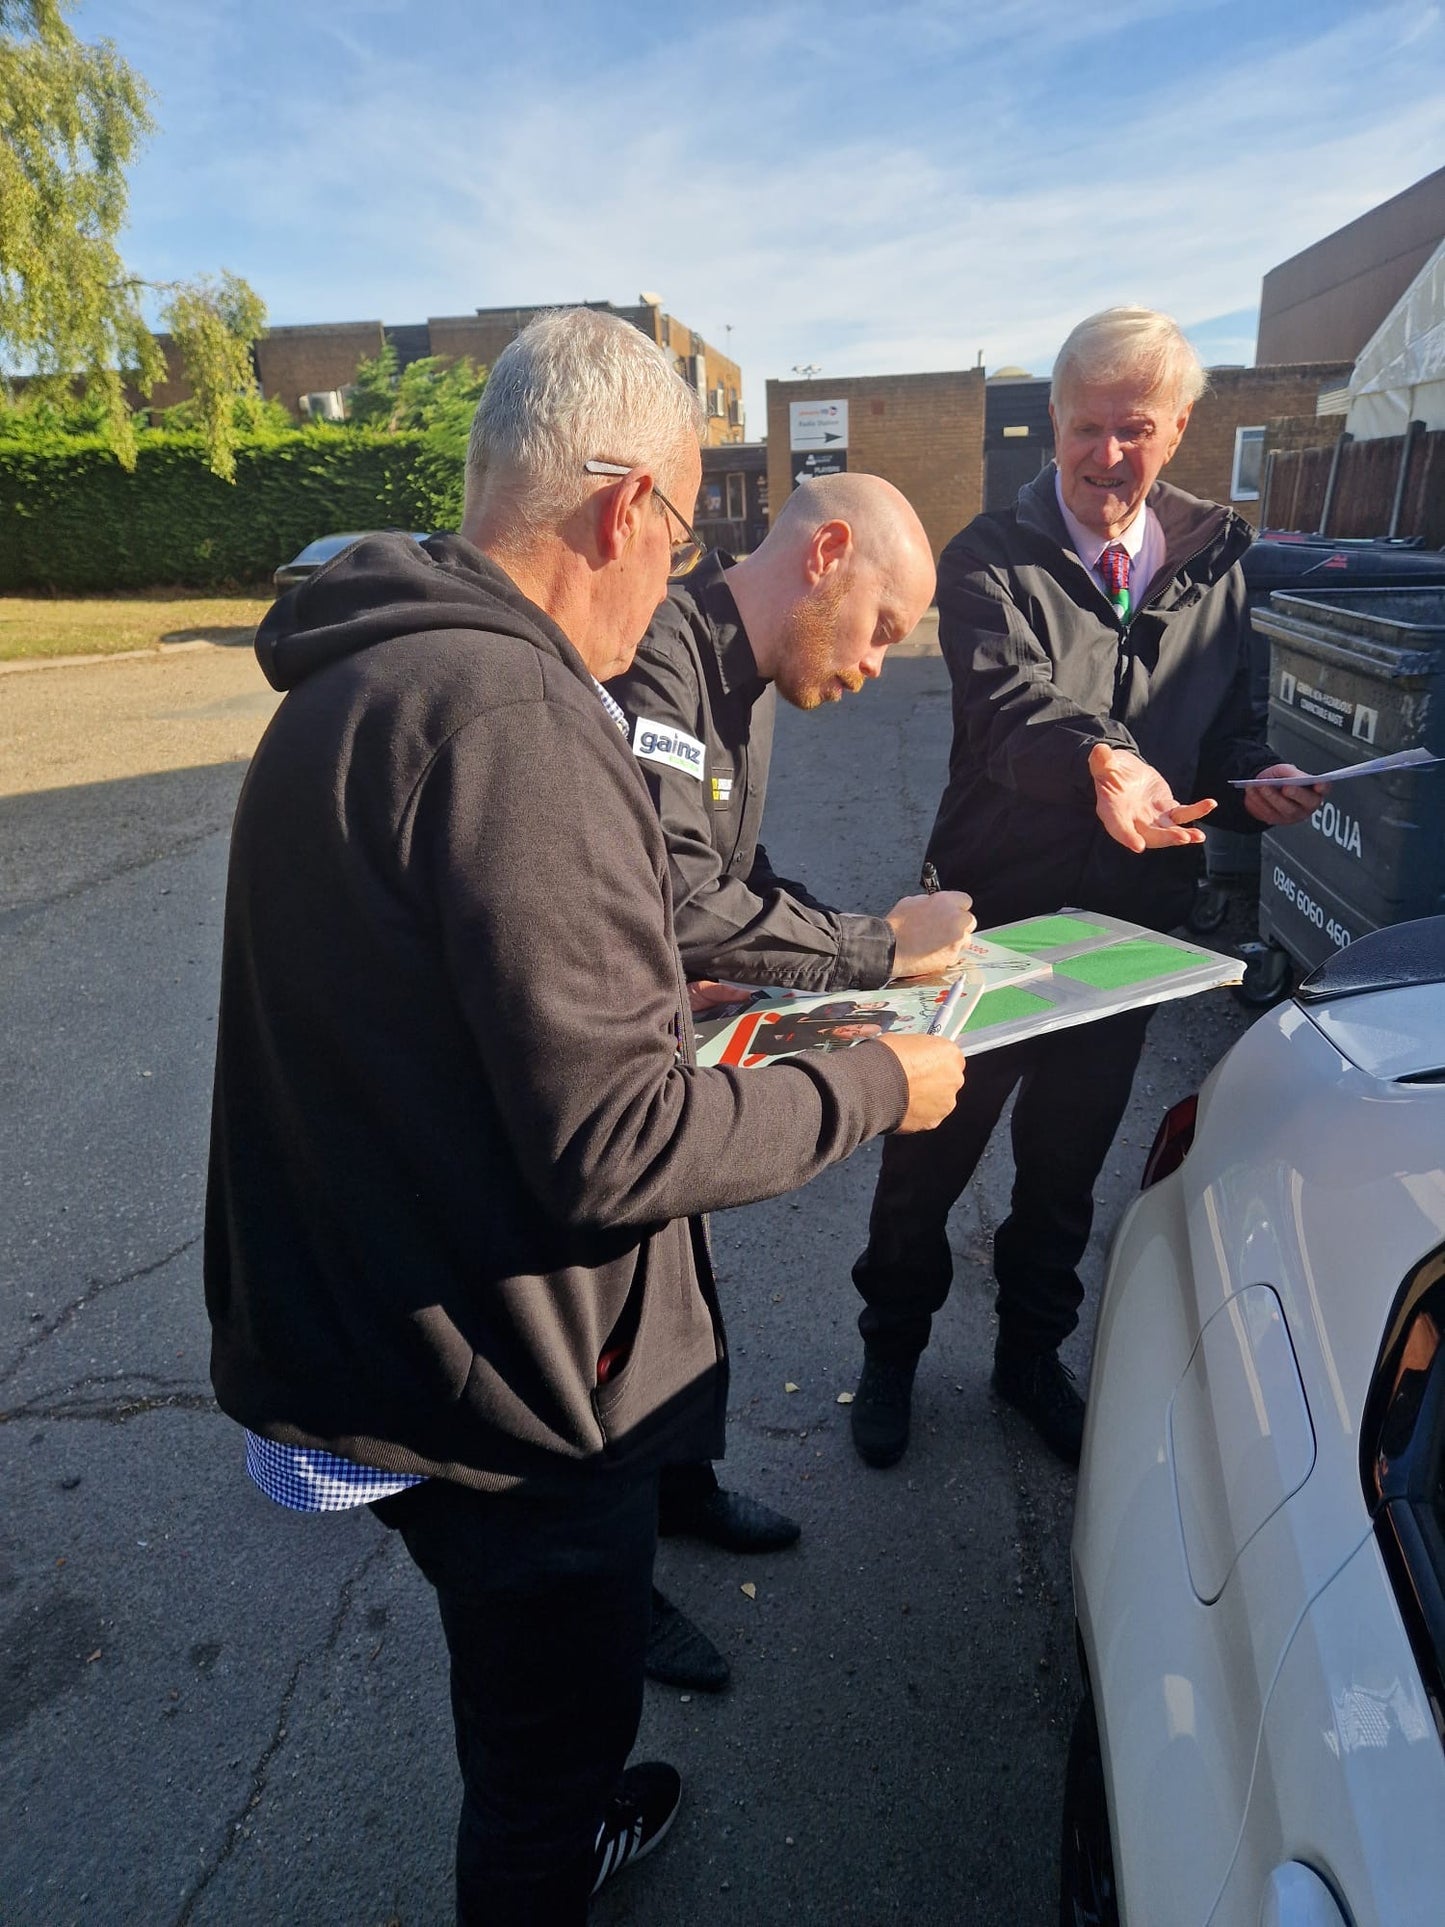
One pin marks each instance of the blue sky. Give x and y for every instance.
(871, 188)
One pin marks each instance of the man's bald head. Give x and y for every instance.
(884, 525)
(846, 570)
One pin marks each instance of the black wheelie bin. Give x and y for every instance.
(1353, 675)
(1310, 565)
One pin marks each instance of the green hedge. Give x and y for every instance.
(73, 521)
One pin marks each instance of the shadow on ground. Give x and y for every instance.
(56, 842)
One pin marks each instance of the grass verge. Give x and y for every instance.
(37, 626)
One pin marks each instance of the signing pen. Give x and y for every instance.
(929, 883)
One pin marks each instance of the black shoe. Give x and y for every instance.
(638, 1816)
(1042, 1387)
(881, 1408)
(729, 1520)
(681, 1654)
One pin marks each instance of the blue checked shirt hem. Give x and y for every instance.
(309, 1480)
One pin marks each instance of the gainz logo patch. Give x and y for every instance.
(654, 742)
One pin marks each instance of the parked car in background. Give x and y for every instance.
(1259, 1546)
(315, 555)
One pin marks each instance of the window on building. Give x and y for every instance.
(737, 498)
(1248, 464)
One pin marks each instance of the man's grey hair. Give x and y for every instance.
(1131, 344)
(576, 385)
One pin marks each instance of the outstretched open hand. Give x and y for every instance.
(1136, 806)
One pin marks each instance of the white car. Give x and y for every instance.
(1259, 1546)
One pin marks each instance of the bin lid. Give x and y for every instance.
(1308, 566)
(1398, 618)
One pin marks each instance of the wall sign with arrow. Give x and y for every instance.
(818, 439)
(817, 424)
(832, 461)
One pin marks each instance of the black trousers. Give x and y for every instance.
(545, 1602)
(684, 1486)
(1073, 1088)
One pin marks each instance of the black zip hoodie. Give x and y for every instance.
(457, 1150)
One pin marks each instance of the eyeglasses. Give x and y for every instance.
(688, 550)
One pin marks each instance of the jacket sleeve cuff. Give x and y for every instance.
(885, 1085)
(865, 953)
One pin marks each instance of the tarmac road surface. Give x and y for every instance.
(218, 1712)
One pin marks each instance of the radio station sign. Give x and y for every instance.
(817, 425)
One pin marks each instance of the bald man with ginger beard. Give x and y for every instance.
(845, 572)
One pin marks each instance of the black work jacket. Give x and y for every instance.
(701, 721)
(1043, 669)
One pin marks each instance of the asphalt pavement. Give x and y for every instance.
(218, 1712)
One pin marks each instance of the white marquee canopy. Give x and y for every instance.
(1400, 375)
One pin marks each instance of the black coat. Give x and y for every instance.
(1042, 670)
(458, 1147)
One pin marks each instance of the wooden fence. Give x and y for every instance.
(1393, 486)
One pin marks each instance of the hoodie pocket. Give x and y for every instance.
(617, 1355)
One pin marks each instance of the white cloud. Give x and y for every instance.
(873, 189)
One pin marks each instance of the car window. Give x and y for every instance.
(1403, 1465)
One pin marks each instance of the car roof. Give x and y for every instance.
(326, 546)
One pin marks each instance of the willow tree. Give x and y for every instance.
(73, 116)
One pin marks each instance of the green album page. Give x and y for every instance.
(1134, 960)
(1044, 933)
(1003, 1006)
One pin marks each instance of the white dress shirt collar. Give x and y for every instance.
(1142, 541)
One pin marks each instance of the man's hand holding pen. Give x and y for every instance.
(931, 932)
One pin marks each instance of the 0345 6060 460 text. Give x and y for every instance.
(1311, 911)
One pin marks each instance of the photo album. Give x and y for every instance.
(1022, 980)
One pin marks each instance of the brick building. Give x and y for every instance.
(1324, 303)
(1222, 454)
(953, 442)
(923, 433)
(321, 358)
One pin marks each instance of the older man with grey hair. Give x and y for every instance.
(1098, 643)
(454, 1262)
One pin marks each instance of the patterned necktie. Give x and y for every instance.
(1114, 567)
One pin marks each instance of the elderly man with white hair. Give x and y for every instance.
(1097, 640)
(454, 1258)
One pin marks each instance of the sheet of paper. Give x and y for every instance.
(1377, 765)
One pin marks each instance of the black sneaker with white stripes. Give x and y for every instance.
(638, 1815)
